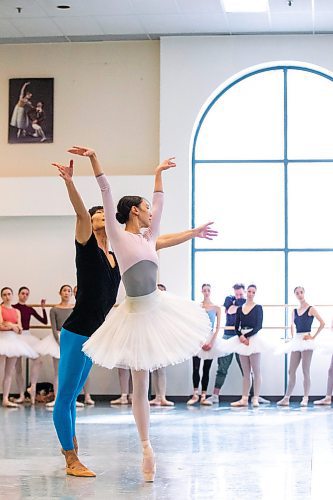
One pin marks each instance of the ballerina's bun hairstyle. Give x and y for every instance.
(297, 287)
(5, 288)
(205, 284)
(252, 286)
(124, 207)
(64, 286)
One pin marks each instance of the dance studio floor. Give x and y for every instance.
(203, 453)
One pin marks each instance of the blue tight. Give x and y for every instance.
(74, 368)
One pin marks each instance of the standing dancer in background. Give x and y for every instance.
(150, 329)
(301, 346)
(208, 352)
(11, 344)
(249, 344)
(26, 336)
(50, 344)
(97, 270)
(158, 378)
(231, 304)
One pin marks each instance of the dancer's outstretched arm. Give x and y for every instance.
(172, 239)
(83, 229)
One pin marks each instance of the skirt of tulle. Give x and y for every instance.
(49, 346)
(296, 344)
(149, 332)
(31, 340)
(12, 345)
(216, 351)
(257, 343)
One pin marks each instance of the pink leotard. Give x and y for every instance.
(136, 253)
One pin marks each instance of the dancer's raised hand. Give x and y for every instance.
(166, 164)
(65, 172)
(81, 151)
(205, 231)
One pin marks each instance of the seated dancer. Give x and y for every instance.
(97, 270)
(301, 346)
(26, 336)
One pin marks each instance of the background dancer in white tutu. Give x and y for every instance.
(11, 344)
(249, 344)
(301, 346)
(150, 328)
(34, 342)
(210, 350)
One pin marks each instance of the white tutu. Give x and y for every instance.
(11, 345)
(216, 351)
(48, 346)
(149, 332)
(297, 344)
(257, 343)
(31, 340)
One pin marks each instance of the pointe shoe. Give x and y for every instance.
(255, 402)
(204, 401)
(166, 402)
(89, 401)
(74, 467)
(155, 402)
(283, 402)
(50, 404)
(327, 401)
(304, 401)
(194, 399)
(120, 401)
(9, 404)
(240, 403)
(78, 404)
(19, 400)
(32, 394)
(148, 465)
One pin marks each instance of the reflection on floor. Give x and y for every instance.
(203, 453)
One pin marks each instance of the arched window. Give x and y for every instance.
(262, 164)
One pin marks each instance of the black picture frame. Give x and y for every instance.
(31, 114)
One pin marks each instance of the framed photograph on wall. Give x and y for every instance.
(30, 110)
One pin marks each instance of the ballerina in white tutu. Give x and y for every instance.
(11, 344)
(249, 343)
(210, 350)
(150, 329)
(301, 346)
(35, 364)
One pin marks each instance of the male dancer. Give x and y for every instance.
(98, 279)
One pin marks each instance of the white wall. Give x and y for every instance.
(192, 68)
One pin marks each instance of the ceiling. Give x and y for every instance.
(88, 20)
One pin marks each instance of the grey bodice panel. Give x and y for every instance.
(140, 279)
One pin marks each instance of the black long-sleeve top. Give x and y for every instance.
(251, 320)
